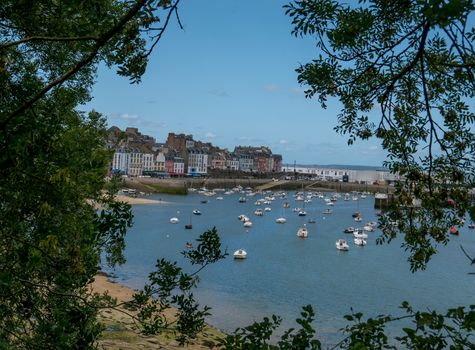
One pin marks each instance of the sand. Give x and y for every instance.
(137, 200)
(122, 333)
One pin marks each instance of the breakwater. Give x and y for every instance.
(159, 185)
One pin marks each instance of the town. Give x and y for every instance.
(138, 155)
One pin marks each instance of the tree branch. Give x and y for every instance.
(47, 38)
(101, 41)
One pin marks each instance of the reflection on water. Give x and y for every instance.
(283, 272)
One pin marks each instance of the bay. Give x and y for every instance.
(283, 272)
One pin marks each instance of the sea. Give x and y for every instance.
(283, 272)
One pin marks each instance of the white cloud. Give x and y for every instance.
(126, 116)
(210, 135)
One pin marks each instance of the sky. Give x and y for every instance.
(229, 78)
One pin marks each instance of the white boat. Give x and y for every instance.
(281, 220)
(267, 209)
(302, 213)
(360, 241)
(358, 218)
(219, 198)
(369, 228)
(358, 234)
(196, 212)
(259, 212)
(350, 229)
(341, 245)
(302, 232)
(240, 254)
(174, 221)
(242, 199)
(248, 224)
(243, 218)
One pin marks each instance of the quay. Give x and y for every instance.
(181, 185)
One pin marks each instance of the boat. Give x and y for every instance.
(454, 231)
(286, 205)
(312, 221)
(280, 220)
(240, 254)
(219, 198)
(189, 245)
(358, 218)
(196, 212)
(342, 245)
(350, 229)
(174, 221)
(328, 211)
(267, 209)
(369, 228)
(360, 241)
(242, 199)
(188, 226)
(259, 212)
(302, 232)
(244, 218)
(204, 201)
(248, 223)
(359, 234)
(471, 226)
(302, 213)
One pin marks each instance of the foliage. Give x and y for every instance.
(54, 161)
(170, 286)
(258, 335)
(403, 72)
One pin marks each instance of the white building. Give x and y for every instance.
(246, 162)
(179, 166)
(120, 162)
(232, 164)
(135, 167)
(148, 162)
(197, 161)
(160, 162)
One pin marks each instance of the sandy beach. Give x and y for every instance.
(136, 200)
(122, 333)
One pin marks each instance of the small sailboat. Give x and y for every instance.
(302, 232)
(280, 220)
(342, 245)
(240, 254)
(174, 221)
(247, 223)
(196, 212)
(360, 241)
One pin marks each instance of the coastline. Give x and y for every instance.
(137, 200)
(122, 333)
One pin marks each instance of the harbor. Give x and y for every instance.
(282, 272)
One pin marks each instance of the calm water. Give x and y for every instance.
(283, 272)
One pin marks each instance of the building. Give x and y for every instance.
(135, 166)
(197, 161)
(120, 162)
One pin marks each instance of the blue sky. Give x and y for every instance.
(229, 78)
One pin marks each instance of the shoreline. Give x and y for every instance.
(122, 333)
(137, 200)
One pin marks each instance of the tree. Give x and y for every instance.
(53, 161)
(404, 73)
